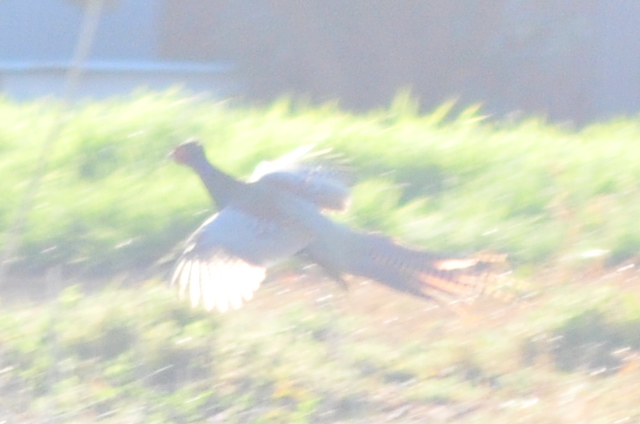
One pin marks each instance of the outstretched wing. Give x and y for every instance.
(225, 259)
(318, 177)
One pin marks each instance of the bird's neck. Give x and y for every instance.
(221, 187)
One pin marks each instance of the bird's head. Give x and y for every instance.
(188, 152)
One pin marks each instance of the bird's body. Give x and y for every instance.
(278, 213)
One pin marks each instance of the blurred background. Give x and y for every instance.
(568, 60)
(92, 214)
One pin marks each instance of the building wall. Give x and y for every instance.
(616, 59)
(48, 30)
(535, 56)
(39, 38)
(567, 59)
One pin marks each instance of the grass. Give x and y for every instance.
(110, 200)
(142, 356)
(106, 340)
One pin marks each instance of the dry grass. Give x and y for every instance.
(305, 351)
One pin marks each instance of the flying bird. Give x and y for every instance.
(279, 212)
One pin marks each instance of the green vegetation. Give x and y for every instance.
(110, 201)
(561, 202)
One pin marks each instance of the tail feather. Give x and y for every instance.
(424, 273)
(469, 283)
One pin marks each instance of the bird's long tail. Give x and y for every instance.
(426, 274)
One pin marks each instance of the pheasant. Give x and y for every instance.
(278, 213)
